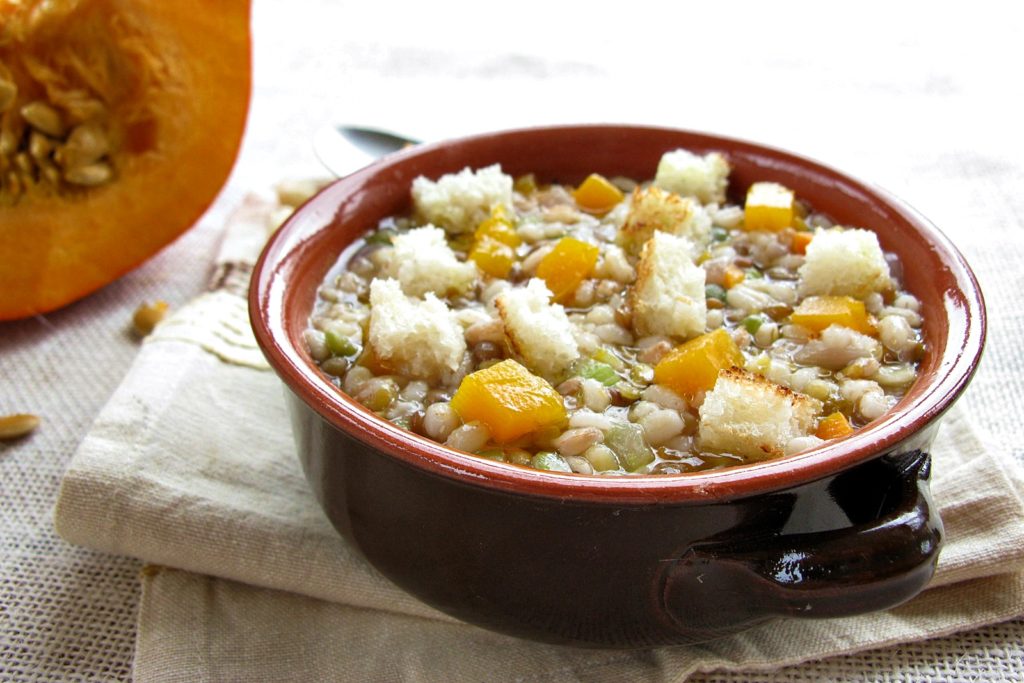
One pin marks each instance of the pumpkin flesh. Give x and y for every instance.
(164, 84)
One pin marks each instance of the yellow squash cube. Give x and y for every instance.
(769, 207)
(693, 366)
(597, 195)
(493, 257)
(509, 399)
(499, 226)
(818, 312)
(566, 266)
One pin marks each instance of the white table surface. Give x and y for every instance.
(924, 99)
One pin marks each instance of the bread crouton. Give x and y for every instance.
(422, 262)
(459, 201)
(419, 337)
(844, 261)
(654, 209)
(668, 295)
(537, 331)
(690, 175)
(750, 416)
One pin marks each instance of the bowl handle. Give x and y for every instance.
(729, 583)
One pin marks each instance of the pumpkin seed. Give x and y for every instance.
(39, 146)
(43, 118)
(17, 425)
(49, 173)
(8, 142)
(80, 107)
(147, 316)
(85, 144)
(8, 92)
(89, 175)
(23, 162)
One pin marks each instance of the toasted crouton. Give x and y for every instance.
(422, 262)
(459, 201)
(654, 209)
(419, 337)
(537, 331)
(690, 175)
(750, 416)
(668, 295)
(844, 261)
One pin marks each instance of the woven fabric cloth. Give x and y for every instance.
(191, 465)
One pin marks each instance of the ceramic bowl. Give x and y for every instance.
(634, 561)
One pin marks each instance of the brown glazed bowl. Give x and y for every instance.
(624, 561)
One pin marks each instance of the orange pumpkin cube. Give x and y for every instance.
(818, 312)
(597, 195)
(566, 266)
(733, 276)
(833, 427)
(693, 366)
(509, 399)
(769, 207)
(800, 242)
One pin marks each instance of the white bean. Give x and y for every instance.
(595, 396)
(896, 333)
(575, 441)
(470, 437)
(439, 421)
(661, 425)
(355, 378)
(664, 397)
(588, 418)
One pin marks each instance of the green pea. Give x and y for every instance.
(339, 344)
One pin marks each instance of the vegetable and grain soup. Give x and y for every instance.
(618, 327)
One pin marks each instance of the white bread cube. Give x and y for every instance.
(668, 295)
(750, 416)
(690, 175)
(844, 261)
(654, 209)
(417, 337)
(422, 262)
(459, 201)
(537, 331)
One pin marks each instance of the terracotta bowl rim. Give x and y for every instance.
(934, 393)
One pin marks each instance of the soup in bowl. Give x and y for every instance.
(621, 386)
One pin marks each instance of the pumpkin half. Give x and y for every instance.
(120, 121)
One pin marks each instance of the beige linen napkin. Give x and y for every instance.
(191, 466)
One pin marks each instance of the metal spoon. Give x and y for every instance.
(345, 148)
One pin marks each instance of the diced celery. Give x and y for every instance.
(603, 355)
(752, 323)
(553, 462)
(627, 440)
(602, 372)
